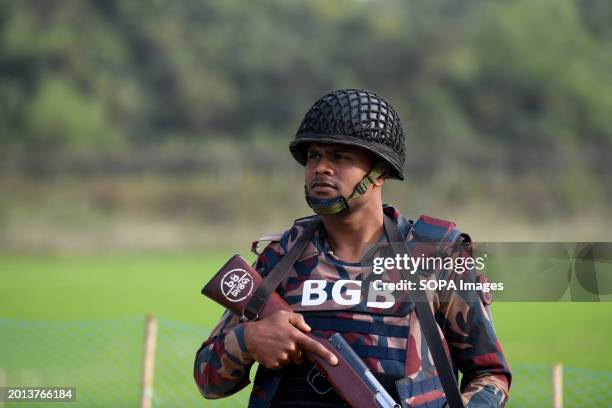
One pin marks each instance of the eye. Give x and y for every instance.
(341, 156)
(312, 155)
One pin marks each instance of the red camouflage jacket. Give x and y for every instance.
(388, 340)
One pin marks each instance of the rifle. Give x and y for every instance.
(233, 286)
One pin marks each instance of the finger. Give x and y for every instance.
(273, 366)
(298, 321)
(283, 358)
(296, 357)
(317, 348)
(298, 360)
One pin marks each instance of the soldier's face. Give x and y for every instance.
(335, 169)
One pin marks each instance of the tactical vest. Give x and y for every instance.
(379, 336)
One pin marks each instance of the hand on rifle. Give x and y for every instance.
(279, 339)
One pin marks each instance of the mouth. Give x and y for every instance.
(322, 186)
(314, 185)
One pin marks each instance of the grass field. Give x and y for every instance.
(89, 288)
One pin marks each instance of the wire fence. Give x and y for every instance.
(103, 359)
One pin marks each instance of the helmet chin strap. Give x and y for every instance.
(330, 206)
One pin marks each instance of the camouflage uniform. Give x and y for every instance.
(388, 340)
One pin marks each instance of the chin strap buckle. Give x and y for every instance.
(362, 186)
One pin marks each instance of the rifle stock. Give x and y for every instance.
(234, 284)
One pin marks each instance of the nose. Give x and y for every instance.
(323, 166)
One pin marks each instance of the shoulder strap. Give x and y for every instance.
(429, 326)
(274, 278)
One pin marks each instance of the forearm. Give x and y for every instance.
(477, 353)
(222, 364)
(475, 348)
(489, 390)
(480, 357)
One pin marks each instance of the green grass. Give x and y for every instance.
(99, 287)
(576, 334)
(94, 288)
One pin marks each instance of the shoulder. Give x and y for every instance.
(270, 248)
(427, 229)
(285, 240)
(453, 242)
(448, 237)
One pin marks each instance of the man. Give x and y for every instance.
(351, 142)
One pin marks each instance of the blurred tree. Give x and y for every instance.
(99, 74)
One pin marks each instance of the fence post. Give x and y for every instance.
(148, 365)
(557, 382)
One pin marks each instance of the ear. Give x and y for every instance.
(381, 179)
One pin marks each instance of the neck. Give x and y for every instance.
(351, 234)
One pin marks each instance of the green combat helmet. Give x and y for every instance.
(354, 117)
